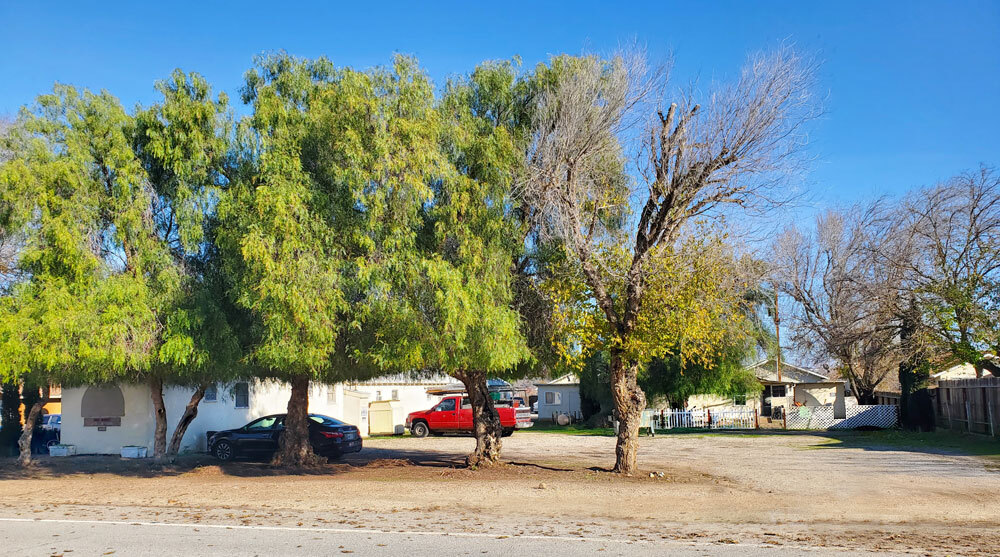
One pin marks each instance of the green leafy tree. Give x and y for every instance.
(456, 313)
(182, 144)
(113, 207)
(488, 127)
(10, 419)
(334, 167)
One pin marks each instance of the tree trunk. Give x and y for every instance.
(24, 442)
(867, 396)
(862, 389)
(10, 421)
(190, 413)
(160, 420)
(914, 373)
(486, 426)
(630, 401)
(294, 448)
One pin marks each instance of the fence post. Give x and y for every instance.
(947, 405)
(756, 419)
(784, 419)
(968, 416)
(989, 417)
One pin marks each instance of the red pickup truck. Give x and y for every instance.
(453, 414)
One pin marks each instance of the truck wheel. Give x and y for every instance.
(420, 429)
(508, 431)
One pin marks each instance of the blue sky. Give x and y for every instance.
(911, 88)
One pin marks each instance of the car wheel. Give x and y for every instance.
(224, 451)
(420, 429)
(52, 443)
(508, 431)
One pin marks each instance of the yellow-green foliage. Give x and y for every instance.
(690, 304)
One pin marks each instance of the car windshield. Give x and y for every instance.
(325, 420)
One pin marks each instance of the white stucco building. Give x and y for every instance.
(559, 396)
(792, 386)
(103, 419)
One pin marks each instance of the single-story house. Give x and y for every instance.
(960, 371)
(103, 419)
(559, 396)
(791, 386)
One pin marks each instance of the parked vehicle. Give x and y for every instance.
(52, 422)
(47, 433)
(453, 414)
(329, 437)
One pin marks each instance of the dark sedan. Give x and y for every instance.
(330, 438)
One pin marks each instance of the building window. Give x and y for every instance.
(378, 395)
(102, 406)
(395, 394)
(552, 397)
(777, 390)
(211, 393)
(740, 400)
(241, 392)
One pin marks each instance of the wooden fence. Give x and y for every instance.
(971, 405)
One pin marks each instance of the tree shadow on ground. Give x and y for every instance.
(370, 457)
(944, 443)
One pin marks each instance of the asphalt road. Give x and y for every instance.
(77, 538)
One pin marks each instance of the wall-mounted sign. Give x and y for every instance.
(103, 422)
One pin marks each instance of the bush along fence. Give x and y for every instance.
(969, 405)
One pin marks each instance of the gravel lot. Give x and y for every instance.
(791, 490)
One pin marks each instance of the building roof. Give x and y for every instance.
(765, 371)
(566, 379)
(960, 371)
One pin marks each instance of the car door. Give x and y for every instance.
(465, 415)
(270, 444)
(444, 417)
(258, 436)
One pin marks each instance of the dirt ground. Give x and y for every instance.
(796, 490)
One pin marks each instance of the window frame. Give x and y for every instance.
(236, 394)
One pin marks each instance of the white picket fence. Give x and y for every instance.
(722, 418)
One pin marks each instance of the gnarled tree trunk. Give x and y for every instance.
(486, 426)
(10, 422)
(190, 413)
(294, 448)
(24, 442)
(629, 404)
(159, 420)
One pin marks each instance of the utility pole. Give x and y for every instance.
(777, 335)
